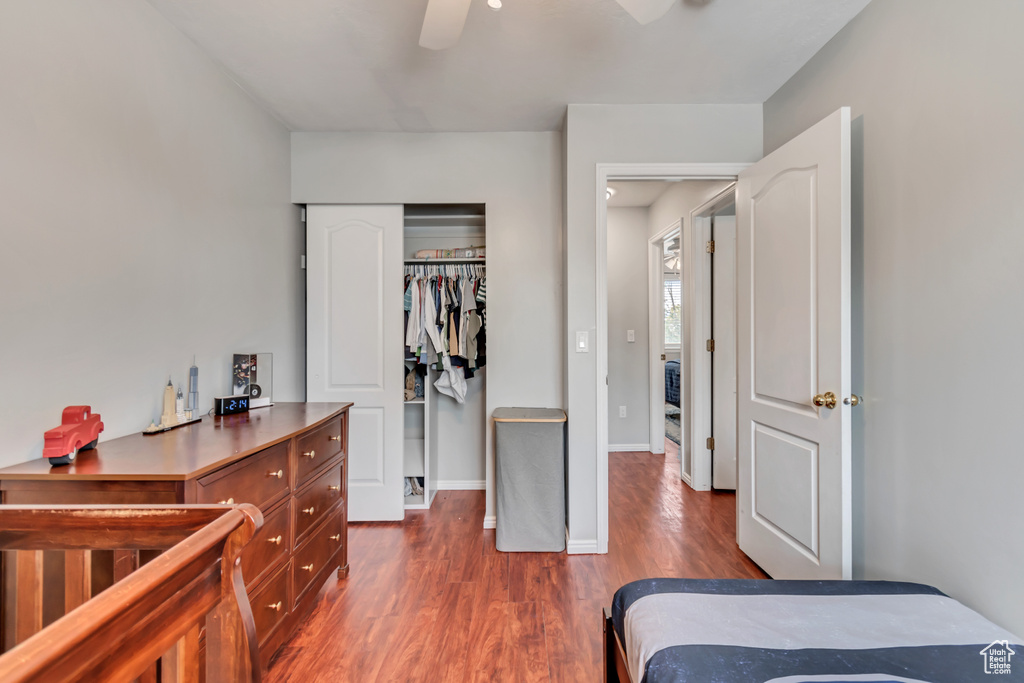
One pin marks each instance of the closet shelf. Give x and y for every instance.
(415, 402)
(444, 221)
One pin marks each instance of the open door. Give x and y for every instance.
(354, 322)
(793, 355)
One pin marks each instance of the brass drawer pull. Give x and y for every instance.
(276, 540)
(308, 567)
(334, 438)
(276, 606)
(309, 510)
(333, 488)
(336, 537)
(279, 474)
(229, 501)
(310, 454)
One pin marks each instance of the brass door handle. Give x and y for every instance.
(310, 454)
(308, 567)
(334, 438)
(333, 488)
(279, 474)
(336, 537)
(276, 540)
(827, 400)
(276, 606)
(853, 400)
(309, 510)
(229, 501)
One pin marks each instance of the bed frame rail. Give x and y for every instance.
(615, 670)
(146, 626)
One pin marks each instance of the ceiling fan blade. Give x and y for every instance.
(442, 24)
(646, 11)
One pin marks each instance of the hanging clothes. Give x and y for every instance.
(445, 326)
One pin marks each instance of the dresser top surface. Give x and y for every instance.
(186, 452)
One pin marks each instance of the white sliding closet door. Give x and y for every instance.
(354, 343)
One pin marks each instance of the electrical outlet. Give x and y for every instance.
(622, 411)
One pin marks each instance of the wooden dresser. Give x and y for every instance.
(289, 459)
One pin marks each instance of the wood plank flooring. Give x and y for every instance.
(431, 599)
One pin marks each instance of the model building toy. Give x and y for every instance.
(79, 431)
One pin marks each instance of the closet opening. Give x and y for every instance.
(445, 266)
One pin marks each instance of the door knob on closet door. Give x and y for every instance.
(853, 400)
(826, 400)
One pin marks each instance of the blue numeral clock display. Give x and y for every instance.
(230, 405)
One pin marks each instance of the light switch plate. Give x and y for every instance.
(630, 335)
(582, 341)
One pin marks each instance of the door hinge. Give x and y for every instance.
(711, 345)
(711, 443)
(710, 248)
(663, 356)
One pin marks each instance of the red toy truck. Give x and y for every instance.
(79, 431)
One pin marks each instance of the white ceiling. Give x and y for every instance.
(355, 65)
(636, 193)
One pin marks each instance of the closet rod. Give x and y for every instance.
(445, 260)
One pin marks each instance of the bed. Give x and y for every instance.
(672, 382)
(733, 631)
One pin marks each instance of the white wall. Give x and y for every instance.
(679, 200)
(938, 240)
(628, 370)
(518, 177)
(622, 134)
(145, 217)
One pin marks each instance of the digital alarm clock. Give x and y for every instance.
(230, 405)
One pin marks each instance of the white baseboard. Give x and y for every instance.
(461, 485)
(490, 522)
(580, 547)
(629, 447)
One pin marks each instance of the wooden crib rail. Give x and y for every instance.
(153, 613)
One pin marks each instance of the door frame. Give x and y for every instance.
(656, 333)
(604, 173)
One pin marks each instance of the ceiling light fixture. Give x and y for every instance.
(494, 4)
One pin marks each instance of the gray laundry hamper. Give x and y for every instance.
(530, 469)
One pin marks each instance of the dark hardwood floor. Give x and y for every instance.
(430, 599)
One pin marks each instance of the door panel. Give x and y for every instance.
(784, 496)
(793, 342)
(784, 278)
(354, 343)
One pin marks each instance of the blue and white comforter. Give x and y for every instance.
(740, 631)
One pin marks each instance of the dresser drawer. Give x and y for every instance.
(311, 558)
(316, 500)
(315, 448)
(260, 479)
(270, 604)
(270, 542)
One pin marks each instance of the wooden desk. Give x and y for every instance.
(290, 460)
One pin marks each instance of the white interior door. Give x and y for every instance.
(723, 360)
(793, 342)
(354, 343)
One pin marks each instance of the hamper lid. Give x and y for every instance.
(529, 415)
